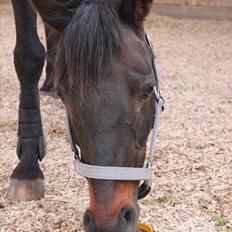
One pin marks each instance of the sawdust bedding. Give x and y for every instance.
(192, 185)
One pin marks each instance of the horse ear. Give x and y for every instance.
(134, 11)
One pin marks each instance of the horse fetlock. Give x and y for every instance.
(28, 168)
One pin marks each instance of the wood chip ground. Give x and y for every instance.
(192, 185)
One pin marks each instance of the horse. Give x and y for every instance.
(100, 63)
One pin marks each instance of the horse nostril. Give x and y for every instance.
(88, 218)
(128, 215)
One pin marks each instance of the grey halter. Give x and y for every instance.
(124, 173)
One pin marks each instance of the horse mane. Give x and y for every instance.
(87, 44)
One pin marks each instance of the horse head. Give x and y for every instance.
(104, 72)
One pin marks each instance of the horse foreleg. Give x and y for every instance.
(26, 182)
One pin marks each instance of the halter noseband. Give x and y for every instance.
(124, 173)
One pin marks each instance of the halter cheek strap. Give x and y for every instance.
(124, 173)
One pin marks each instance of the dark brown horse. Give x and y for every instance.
(100, 64)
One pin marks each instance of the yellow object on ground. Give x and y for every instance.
(145, 227)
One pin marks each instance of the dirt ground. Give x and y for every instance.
(192, 185)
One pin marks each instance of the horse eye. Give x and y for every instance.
(147, 92)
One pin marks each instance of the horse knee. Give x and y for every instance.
(29, 59)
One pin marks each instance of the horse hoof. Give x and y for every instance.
(25, 190)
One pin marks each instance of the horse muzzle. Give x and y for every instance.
(125, 222)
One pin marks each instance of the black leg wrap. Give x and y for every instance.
(30, 127)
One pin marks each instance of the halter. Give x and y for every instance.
(124, 173)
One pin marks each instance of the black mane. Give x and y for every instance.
(86, 46)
